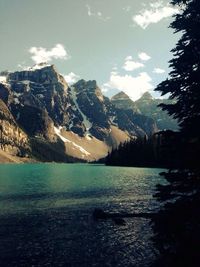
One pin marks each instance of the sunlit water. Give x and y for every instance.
(46, 215)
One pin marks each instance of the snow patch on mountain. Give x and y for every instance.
(88, 137)
(86, 122)
(27, 83)
(16, 101)
(3, 79)
(65, 140)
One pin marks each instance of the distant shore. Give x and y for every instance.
(7, 158)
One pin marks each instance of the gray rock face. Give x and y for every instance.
(123, 101)
(131, 118)
(94, 107)
(146, 106)
(5, 93)
(42, 88)
(149, 105)
(12, 139)
(102, 113)
(40, 100)
(45, 96)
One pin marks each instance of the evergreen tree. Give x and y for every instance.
(138, 152)
(177, 231)
(184, 82)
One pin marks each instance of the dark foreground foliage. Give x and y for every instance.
(139, 152)
(177, 228)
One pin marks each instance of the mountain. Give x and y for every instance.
(146, 105)
(65, 123)
(14, 141)
(123, 101)
(149, 105)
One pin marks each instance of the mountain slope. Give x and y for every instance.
(123, 101)
(13, 140)
(143, 106)
(149, 105)
(69, 123)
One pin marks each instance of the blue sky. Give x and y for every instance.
(123, 44)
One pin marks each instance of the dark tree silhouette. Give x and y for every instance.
(184, 82)
(138, 152)
(177, 226)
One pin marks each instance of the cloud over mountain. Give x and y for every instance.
(130, 64)
(41, 54)
(133, 86)
(143, 56)
(71, 78)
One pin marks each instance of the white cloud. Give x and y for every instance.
(115, 68)
(134, 87)
(127, 8)
(156, 12)
(158, 71)
(114, 72)
(130, 65)
(71, 78)
(22, 65)
(128, 58)
(105, 87)
(143, 56)
(98, 14)
(41, 54)
(89, 10)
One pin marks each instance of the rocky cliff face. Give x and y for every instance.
(38, 100)
(12, 139)
(131, 118)
(146, 105)
(149, 105)
(102, 113)
(123, 101)
(77, 121)
(93, 107)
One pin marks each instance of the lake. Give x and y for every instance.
(46, 215)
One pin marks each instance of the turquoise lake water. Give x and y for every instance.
(46, 215)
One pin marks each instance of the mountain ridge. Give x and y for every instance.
(146, 104)
(70, 122)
